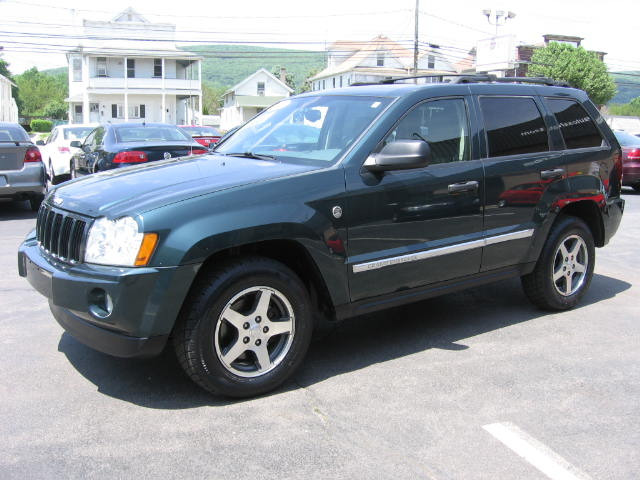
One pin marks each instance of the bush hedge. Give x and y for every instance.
(38, 125)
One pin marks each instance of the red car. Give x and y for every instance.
(207, 136)
(630, 159)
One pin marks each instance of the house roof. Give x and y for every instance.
(262, 70)
(5, 79)
(358, 51)
(129, 15)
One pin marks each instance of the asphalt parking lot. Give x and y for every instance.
(475, 385)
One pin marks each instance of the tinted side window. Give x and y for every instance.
(441, 123)
(576, 126)
(514, 126)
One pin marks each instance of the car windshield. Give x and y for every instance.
(150, 133)
(13, 134)
(77, 133)
(316, 128)
(626, 139)
(201, 131)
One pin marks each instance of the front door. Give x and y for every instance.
(416, 227)
(77, 114)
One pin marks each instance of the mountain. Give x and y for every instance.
(628, 87)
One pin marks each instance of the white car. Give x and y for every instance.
(57, 150)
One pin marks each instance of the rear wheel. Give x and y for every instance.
(565, 267)
(245, 327)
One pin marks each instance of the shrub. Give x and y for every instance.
(38, 125)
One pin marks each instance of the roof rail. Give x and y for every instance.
(480, 78)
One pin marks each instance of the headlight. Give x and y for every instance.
(118, 242)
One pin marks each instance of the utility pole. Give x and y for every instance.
(415, 43)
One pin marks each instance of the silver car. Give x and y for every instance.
(22, 175)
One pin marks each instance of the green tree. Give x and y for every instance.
(36, 90)
(57, 109)
(306, 86)
(289, 77)
(212, 97)
(577, 66)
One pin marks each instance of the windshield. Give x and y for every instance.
(77, 133)
(308, 128)
(201, 131)
(626, 139)
(13, 134)
(146, 133)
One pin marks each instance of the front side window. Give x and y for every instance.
(308, 129)
(157, 67)
(101, 66)
(131, 68)
(442, 124)
(76, 64)
(576, 126)
(514, 126)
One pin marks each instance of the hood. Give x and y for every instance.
(141, 188)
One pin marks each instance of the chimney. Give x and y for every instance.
(283, 75)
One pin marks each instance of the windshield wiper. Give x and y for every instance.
(258, 156)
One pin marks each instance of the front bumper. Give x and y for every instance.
(125, 312)
(22, 183)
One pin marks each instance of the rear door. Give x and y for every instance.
(522, 167)
(409, 228)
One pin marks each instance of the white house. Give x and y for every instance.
(252, 95)
(368, 62)
(131, 70)
(8, 107)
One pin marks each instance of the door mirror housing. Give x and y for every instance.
(76, 144)
(400, 155)
(40, 142)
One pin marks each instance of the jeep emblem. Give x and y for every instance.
(58, 201)
(167, 155)
(336, 211)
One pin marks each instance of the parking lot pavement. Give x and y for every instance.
(434, 390)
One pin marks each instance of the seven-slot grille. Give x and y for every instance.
(61, 233)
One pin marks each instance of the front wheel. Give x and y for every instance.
(245, 327)
(564, 270)
(72, 170)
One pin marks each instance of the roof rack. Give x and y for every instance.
(479, 78)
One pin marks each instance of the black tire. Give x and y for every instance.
(559, 283)
(72, 170)
(202, 338)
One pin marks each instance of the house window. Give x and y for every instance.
(77, 69)
(340, 80)
(157, 67)
(431, 61)
(136, 111)
(101, 66)
(380, 59)
(334, 82)
(260, 88)
(131, 68)
(323, 85)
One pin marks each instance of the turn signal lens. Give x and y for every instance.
(149, 242)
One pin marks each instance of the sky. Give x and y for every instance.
(36, 32)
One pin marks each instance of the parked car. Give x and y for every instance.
(630, 159)
(204, 135)
(22, 175)
(235, 256)
(124, 144)
(57, 150)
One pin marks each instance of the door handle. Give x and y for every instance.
(550, 174)
(463, 187)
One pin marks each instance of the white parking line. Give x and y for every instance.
(534, 452)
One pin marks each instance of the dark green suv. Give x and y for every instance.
(325, 206)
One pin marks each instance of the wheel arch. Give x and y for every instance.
(589, 213)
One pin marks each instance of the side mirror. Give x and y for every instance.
(76, 144)
(40, 142)
(400, 155)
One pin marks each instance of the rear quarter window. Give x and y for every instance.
(514, 126)
(13, 134)
(576, 126)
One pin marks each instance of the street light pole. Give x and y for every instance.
(415, 43)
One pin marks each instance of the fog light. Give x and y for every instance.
(100, 303)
